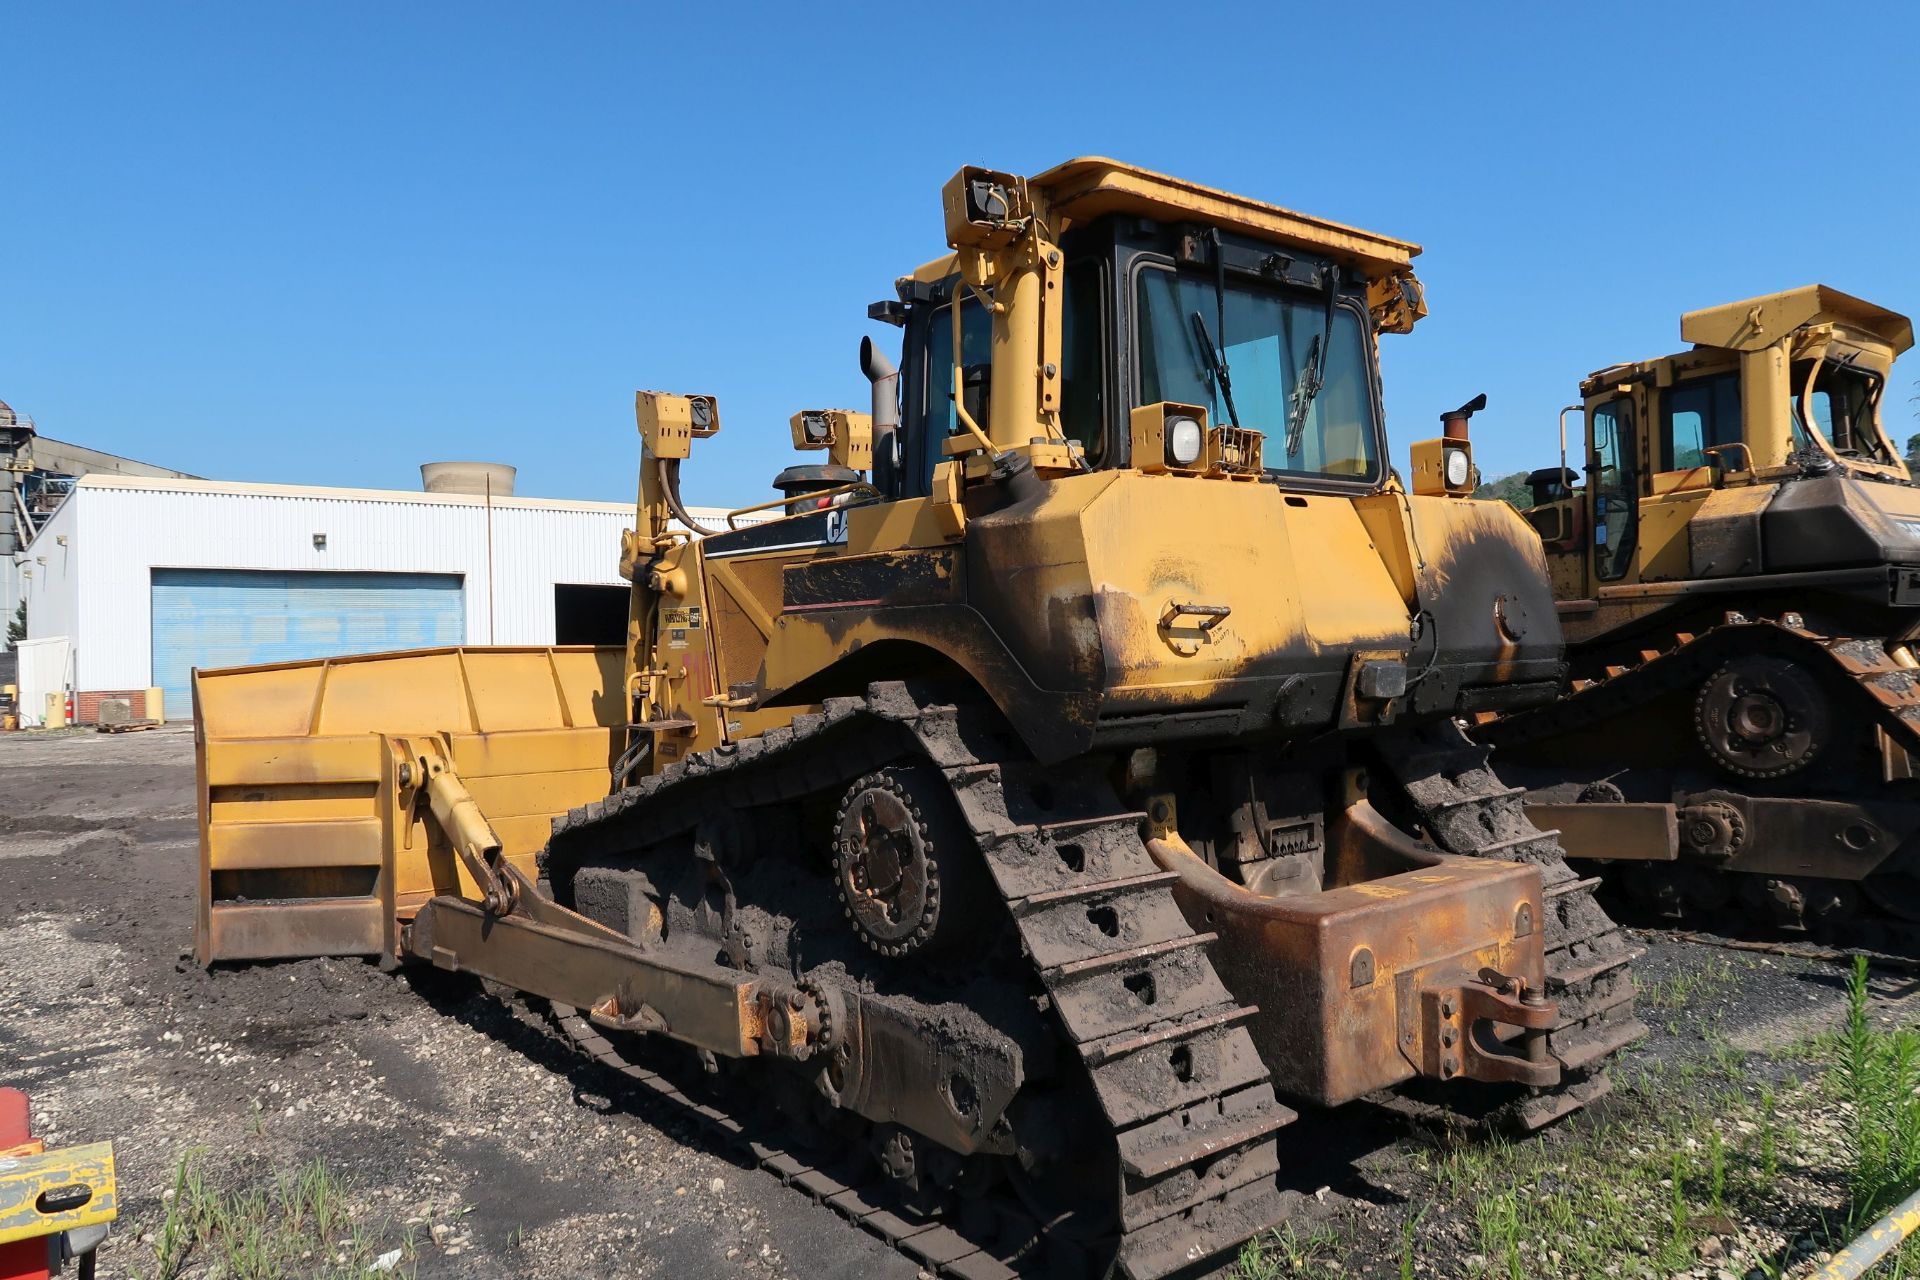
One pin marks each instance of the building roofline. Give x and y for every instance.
(234, 488)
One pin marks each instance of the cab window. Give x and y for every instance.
(1615, 491)
(1267, 337)
(976, 367)
(1083, 373)
(1083, 366)
(1842, 407)
(1697, 415)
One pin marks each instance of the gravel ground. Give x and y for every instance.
(469, 1139)
(444, 1112)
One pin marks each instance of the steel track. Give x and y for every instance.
(1884, 694)
(1186, 1099)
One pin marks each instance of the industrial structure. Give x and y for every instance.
(40, 472)
(148, 578)
(134, 574)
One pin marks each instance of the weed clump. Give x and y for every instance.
(301, 1226)
(1878, 1077)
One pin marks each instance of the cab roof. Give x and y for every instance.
(1091, 186)
(1763, 321)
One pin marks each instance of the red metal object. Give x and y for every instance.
(14, 1128)
(22, 1259)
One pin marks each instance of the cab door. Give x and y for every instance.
(1613, 487)
(1698, 417)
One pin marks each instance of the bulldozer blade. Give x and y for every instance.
(317, 834)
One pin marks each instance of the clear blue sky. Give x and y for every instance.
(321, 243)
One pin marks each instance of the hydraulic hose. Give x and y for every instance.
(670, 486)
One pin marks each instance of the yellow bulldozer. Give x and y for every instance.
(1062, 787)
(1738, 576)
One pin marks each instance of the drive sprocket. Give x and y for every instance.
(1762, 717)
(893, 849)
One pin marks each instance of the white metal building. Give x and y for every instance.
(149, 578)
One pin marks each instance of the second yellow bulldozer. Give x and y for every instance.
(1060, 789)
(1738, 575)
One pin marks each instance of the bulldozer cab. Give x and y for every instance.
(1094, 329)
(1183, 309)
(1774, 388)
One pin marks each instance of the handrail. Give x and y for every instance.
(852, 486)
(1572, 408)
(1715, 450)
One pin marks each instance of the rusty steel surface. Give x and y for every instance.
(1362, 986)
(707, 1006)
(1825, 855)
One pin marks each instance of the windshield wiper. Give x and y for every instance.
(1308, 386)
(1216, 366)
(1217, 355)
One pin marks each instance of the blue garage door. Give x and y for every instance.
(236, 617)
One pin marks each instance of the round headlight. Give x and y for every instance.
(1183, 441)
(1456, 468)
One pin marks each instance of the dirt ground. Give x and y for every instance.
(467, 1138)
(438, 1112)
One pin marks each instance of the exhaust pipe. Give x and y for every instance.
(886, 412)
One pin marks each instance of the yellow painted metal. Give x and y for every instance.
(666, 423)
(1662, 553)
(1147, 425)
(847, 437)
(323, 842)
(1643, 832)
(1429, 459)
(1090, 186)
(1328, 572)
(1761, 341)
(1754, 323)
(888, 525)
(1875, 1243)
(315, 835)
(25, 1177)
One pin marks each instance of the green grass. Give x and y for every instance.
(1288, 1254)
(1689, 1147)
(301, 1226)
(1692, 988)
(1690, 1150)
(1878, 1077)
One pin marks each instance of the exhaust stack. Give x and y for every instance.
(885, 380)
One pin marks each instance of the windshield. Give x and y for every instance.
(1843, 410)
(1266, 339)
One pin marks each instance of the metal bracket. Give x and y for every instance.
(613, 1014)
(1459, 1032)
(427, 773)
(1205, 619)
